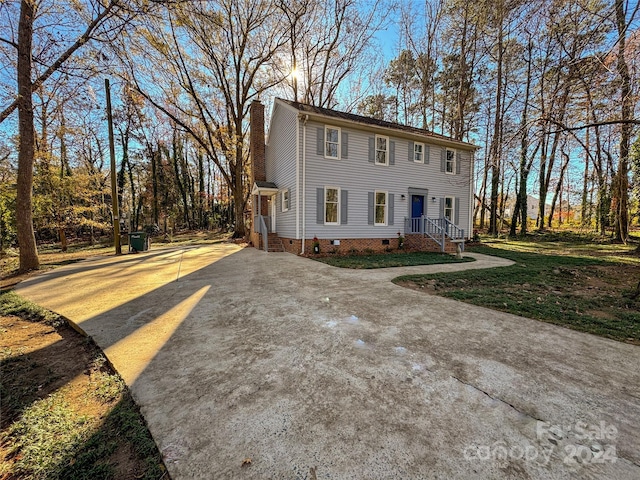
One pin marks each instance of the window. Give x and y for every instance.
(331, 142)
(450, 165)
(382, 150)
(448, 208)
(331, 205)
(418, 152)
(380, 208)
(285, 200)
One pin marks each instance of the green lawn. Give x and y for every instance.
(65, 413)
(383, 260)
(586, 286)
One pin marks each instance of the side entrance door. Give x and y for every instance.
(272, 214)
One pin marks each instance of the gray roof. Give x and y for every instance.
(311, 109)
(261, 184)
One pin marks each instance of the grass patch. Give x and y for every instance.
(123, 424)
(46, 436)
(107, 387)
(54, 441)
(580, 285)
(65, 414)
(384, 260)
(13, 304)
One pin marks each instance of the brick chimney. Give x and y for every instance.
(256, 142)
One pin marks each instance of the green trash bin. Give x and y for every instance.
(138, 242)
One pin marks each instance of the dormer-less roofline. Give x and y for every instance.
(343, 119)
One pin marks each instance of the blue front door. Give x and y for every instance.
(417, 206)
(417, 210)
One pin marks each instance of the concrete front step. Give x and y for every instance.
(275, 244)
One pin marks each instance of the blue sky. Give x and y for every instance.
(388, 39)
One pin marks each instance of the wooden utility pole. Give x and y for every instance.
(114, 186)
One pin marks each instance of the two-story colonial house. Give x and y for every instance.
(355, 183)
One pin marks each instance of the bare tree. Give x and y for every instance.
(338, 36)
(218, 57)
(496, 138)
(526, 158)
(50, 57)
(296, 13)
(420, 29)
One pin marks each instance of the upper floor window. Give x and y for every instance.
(331, 205)
(285, 200)
(380, 208)
(331, 142)
(450, 163)
(418, 152)
(382, 150)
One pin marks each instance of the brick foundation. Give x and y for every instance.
(423, 243)
(361, 245)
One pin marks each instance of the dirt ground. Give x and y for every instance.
(38, 360)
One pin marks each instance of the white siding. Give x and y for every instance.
(358, 176)
(281, 166)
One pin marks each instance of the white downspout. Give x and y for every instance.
(472, 187)
(297, 178)
(304, 180)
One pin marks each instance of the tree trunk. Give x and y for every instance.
(132, 219)
(598, 167)
(497, 128)
(238, 195)
(26, 238)
(558, 191)
(485, 172)
(547, 162)
(585, 219)
(515, 214)
(155, 159)
(122, 173)
(177, 155)
(544, 145)
(524, 148)
(604, 200)
(63, 238)
(65, 169)
(458, 127)
(622, 191)
(201, 189)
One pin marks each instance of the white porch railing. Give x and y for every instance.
(260, 225)
(416, 225)
(438, 229)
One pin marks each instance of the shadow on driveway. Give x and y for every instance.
(311, 370)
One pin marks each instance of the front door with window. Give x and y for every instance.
(417, 211)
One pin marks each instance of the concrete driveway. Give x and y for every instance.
(314, 372)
